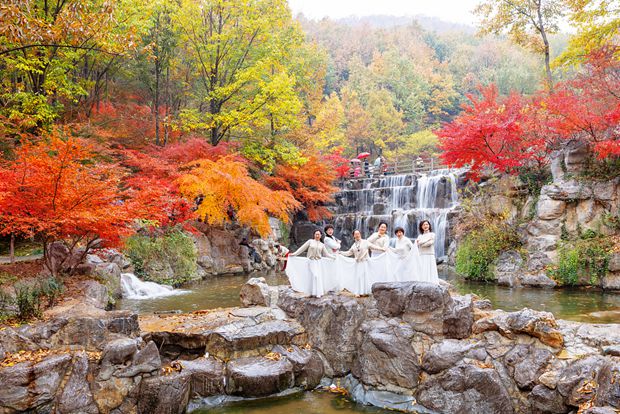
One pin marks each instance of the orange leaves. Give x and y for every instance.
(55, 189)
(225, 191)
(310, 184)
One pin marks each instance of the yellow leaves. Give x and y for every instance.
(175, 366)
(273, 356)
(225, 191)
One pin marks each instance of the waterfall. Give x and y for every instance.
(134, 288)
(401, 201)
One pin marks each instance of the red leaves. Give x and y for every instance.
(509, 132)
(310, 184)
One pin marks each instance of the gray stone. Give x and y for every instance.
(446, 354)
(546, 401)
(608, 380)
(613, 350)
(259, 376)
(549, 209)
(255, 292)
(575, 375)
(540, 280)
(76, 396)
(465, 389)
(307, 365)
(27, 386)
(207, 377)
(526, 364)
(145, 361)
(386, 357)
(119, 351)
(166, 394)
(332, 321)
(571, 190)
(458, 317)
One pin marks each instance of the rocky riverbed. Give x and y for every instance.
(408, 346)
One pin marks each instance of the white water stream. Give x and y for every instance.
(134, 288)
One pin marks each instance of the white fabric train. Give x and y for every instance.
(317, 277)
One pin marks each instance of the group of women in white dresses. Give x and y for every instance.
(326, 268)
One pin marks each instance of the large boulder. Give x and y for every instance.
(207, 377)
(255, 292)
(332, 324)
(465, 388)
(386, 357)
(165, 393)
(541, 325)
(259, 376)
(427, 307)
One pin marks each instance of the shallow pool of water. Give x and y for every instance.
(585, 305)
(302, 403)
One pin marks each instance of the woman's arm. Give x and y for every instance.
(332, 243)
(373, 238)
(348, 252)
(326, 253)
(375, 247)
(302, 249)
(428, 240)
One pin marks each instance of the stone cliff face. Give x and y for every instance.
(410, 346)
(413, 346)
(564, 210)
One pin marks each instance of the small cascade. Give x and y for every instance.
(134, 288)
(401, 201)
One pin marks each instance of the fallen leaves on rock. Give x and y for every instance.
(273, 356)
(175, 366)
(26, 356)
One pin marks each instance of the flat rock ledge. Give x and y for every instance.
(411, 346)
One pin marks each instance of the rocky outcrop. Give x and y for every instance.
(414, 346)
(411, 346)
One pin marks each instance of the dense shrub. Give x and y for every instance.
(583, 260)
(480, 248)
(31, 298)
(174, 250)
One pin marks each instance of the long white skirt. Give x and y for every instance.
(317, 277)
(428, 268)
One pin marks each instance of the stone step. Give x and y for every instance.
(224, 334)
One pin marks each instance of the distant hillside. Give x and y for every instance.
(433, 24)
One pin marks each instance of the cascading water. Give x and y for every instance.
(400, 200)
(134, 288)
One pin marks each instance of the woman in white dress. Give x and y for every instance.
(332, 243)
(407, 267)
(426, 246)
(380, 238)
(359, 282)
(316, 284)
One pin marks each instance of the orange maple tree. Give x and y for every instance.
(224, 191)
(55, 190)
(310, 184)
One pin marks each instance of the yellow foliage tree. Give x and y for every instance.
(225, 191)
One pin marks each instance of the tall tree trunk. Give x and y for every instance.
(12, 248)
(157, 76)
(543, 34)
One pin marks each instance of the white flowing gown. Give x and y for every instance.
(356, 274)
(428, 265)
(312, 275)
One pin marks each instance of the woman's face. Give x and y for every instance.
(400, 234)
(330, 231)
(317, 235)
(382, 228)
(426, 227)
(357, 235)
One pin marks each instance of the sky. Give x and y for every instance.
(457, 11)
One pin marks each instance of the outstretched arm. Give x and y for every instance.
(302, 249)
(326, 253)
(375, 247)
(348, 252)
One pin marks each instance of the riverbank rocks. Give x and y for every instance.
(256, 292)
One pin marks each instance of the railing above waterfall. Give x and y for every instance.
(396, 167)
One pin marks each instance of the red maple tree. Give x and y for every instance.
(56, 190)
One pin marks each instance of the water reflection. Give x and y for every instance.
(574, 304)
(306, 403)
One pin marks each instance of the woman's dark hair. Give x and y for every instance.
(382, 222)
(329, 226)
(355, 231)
(397, 229)
(314, 232)
(430, 226)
